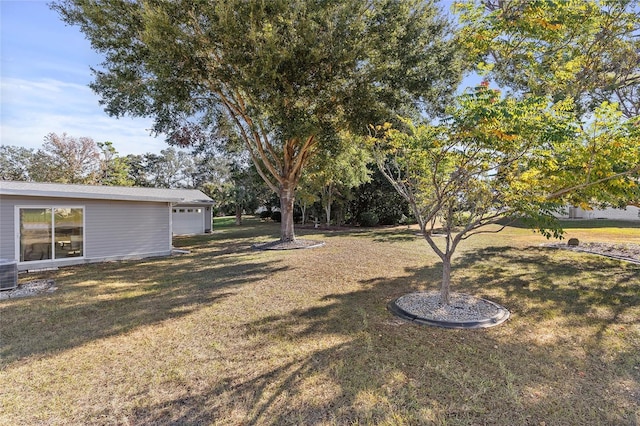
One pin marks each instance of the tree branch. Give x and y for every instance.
(564, 191)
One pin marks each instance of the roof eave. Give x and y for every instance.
(87, 195)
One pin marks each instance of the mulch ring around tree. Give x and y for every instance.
(463, 311)
(288, 245)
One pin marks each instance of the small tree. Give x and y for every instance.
(335, 175)
(494, 159)
(306, 196)
(243, 191)
(114, 170)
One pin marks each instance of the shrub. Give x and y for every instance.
(368, 219)
(407, 220)
(377, 196)
(276, 216)
(265, 214)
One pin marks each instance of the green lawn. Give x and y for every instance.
(227, 335)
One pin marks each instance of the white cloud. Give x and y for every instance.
(31, 109)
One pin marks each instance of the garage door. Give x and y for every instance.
(188, 220)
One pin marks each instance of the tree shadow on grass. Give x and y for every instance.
(368, 367)
(343, 359)
(593, 292)
(571, 284)
(100, 300)
(362, 366)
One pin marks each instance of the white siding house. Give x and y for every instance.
(45, 224)
(628, 213)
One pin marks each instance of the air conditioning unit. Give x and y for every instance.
(8, 274)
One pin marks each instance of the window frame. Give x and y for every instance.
(52, 207)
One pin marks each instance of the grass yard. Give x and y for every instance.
(227, 335)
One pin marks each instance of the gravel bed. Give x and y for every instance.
(30, 288)
(626, 252)
(462, 307)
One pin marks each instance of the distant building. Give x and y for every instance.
(628, 213)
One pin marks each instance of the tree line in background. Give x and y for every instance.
(65, 159)
(348, 190)
(81, 160)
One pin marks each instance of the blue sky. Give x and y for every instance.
(44, 77)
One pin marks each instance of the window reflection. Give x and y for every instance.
(51, 234)
(68, 232)
(35, 234)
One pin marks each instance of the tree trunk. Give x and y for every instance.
(446, 280)
(327, 200)
(238, 215)
(287, 198)
(338, 214)
(327, 210)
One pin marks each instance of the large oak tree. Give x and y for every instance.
(289, 74)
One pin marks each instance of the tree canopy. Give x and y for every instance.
(587, 50)
(288, 74)
(335, 174)
(65, 159)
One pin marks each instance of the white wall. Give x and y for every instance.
(630, 213)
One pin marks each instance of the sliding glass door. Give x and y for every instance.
(51, 233)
